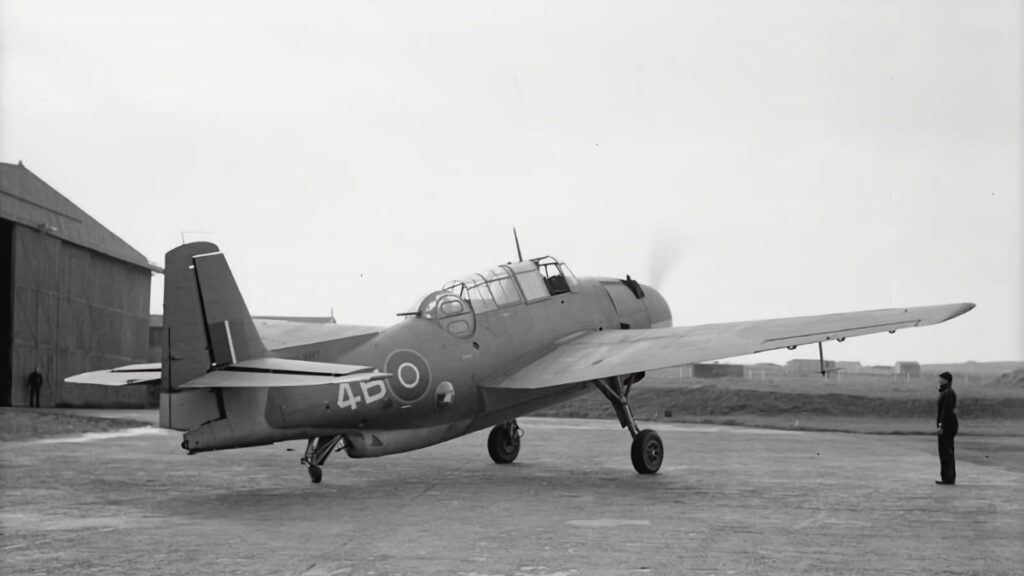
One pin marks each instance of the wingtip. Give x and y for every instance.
(960, 309)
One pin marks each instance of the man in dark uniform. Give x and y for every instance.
(35, 384)
(947, 427)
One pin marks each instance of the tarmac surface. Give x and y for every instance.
(728, 501)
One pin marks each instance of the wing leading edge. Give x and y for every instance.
(594, 355)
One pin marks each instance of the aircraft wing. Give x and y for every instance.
(592, 355)
(278, 334)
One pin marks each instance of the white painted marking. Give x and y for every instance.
(231, 342)
(346, 399)
(206, 255)
(371, 397)
(401, 379)
(93, 436)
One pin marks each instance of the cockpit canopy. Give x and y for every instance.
(500, 287)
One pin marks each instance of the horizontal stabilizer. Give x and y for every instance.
(297, 367)
(279, 372)
(123, 376)
(245, 379)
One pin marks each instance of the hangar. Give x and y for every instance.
(808, 366)
(907, 368)
(73, 297)
(713, 370)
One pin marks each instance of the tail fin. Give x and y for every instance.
(207, 324)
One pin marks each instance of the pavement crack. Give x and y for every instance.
(425, 491)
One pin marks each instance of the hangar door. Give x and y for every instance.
(6, 308)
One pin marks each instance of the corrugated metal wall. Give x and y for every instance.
(6, 309)
(76, 310)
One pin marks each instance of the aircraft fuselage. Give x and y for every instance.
(440, 374)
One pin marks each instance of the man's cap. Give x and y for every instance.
(947, 377)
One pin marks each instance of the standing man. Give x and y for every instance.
(947, 427)
(35, 384)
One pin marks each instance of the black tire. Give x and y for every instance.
(647, 452)
(316, 474)
(503, 445)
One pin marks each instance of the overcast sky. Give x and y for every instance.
(750, 159)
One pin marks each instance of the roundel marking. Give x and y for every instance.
(410, 375)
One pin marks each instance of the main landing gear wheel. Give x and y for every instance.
(503, 442)
(647, 452)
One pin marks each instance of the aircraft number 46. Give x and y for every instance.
(367, 393)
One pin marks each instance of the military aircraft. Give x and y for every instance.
(477, 353)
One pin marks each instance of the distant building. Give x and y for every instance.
(764, 370)
(801, 367)
(712, 371)
(849, 367)
(73, 297)
(906, 369)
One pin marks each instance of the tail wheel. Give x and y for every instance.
(503, 443)
(647, 452)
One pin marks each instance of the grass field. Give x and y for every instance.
(991, 409)
(866, 404)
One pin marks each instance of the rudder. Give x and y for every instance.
(206, 324)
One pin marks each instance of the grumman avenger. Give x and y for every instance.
(480, 352)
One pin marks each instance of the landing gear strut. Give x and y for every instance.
(503, 442)
(317, 451)
(647, 451)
